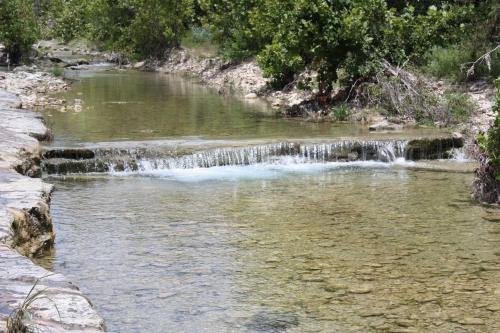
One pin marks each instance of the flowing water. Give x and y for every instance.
(281, 227)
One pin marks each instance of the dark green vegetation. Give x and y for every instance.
(487, 184)
(344, 40)
(135, 28)
(18, 28)
(492, 141)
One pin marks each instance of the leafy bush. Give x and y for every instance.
(68, 19)
(340, 112)
(342, 39)
(139, 28)
(235, 26)
(136, 28)
(18, 27)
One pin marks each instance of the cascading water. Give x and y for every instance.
(159, 157)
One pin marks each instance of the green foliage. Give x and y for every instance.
(447, 62)
(452, 62)
(139, 28)
(199, 40)
(340, 112)
(490, 142)
(457, 105)
(57, 71)
(235, 26)
(68, 19)
(342, 39)
(136, 28)
(479, 34)
(18, 27)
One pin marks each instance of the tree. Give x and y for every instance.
(18, 27)
(139, 28)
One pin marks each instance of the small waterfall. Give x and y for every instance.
(112, 159)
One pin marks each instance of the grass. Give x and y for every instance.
(446, 63)
(20, 320)
(450, 63)
(458, 105)
(57, 71)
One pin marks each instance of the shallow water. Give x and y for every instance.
(138, 106)
(283, 244)
(145, 106)
(316, 248)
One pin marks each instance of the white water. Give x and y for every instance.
(243, 162)
(283, 166)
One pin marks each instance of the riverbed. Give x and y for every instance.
(286, 245)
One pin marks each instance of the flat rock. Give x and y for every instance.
(26, 226)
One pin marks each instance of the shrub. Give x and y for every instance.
(451, 63)
(447, 62)
(57, 71)
(136, 28)
(457, 105)
(487, 183)
(340, 112)
(235, 26)
(68, 19)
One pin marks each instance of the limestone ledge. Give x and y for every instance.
(26, 230)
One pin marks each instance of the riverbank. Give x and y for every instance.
(246, 79)
(25, 222)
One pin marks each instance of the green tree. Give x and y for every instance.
(18, 27)
(234, 25)
(344, 40)
(68, 19)
(139, 28)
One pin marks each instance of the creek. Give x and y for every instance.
(179, 210)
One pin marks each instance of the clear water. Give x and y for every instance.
(270, 247)
(358, 248)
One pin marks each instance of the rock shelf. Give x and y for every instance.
(26, 230)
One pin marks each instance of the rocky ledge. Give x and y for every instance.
(26, 231)
(245, 79)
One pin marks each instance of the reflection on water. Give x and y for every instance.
(143, 106)
(341, 250)
(137, 106)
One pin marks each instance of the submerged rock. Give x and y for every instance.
(272, 322)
